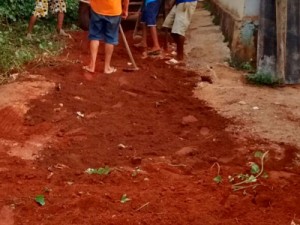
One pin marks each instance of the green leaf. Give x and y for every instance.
(218, 179)
(40, 199)
(254, 168)
(251, 179)
(124, 199)
(258, 154)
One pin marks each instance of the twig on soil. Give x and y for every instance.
(143, 206)
(237, 188)
(218, 165)
(177, 165)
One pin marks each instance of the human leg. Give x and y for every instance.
(182, 20)
(151, 13)
(94, 46)
(109, 49)
(40, 10)
(95, 35)
(179, 40)
(111, 38)
(32, 21)
(59, 7)
(154, 37)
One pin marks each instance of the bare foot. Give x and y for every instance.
(110, 70)
(88, 69)
(61, 32)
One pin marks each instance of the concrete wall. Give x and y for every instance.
(241, 8)
(239, 21)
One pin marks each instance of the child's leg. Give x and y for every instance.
(60, 21)
(144, 36)
(31, 24)
(40, 10)
(154, 37)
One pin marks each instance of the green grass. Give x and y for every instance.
(16, 50)
(265, 79)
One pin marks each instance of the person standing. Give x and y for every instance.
(177, 22)
(150, 12)
(104, 26)
(41, 10)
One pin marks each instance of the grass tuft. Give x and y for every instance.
(16, 50)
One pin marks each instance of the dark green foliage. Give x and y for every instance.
(263, 79)
(18, 10)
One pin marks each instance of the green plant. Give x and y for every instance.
(250, 180)
(239, 64)
(261, 78)
(16, 50)
(18, 10)
(218, 178)
(207, 5)
(40, 199)
(100, 171)
(124, 198)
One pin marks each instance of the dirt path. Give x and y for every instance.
(63, 121)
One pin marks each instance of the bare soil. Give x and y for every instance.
(57, 121)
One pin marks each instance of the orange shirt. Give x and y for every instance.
(107, 7)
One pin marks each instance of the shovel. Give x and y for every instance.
(129, 69)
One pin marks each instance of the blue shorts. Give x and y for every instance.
(104, 28)
(150, 12)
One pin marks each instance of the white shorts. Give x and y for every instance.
(179, 18)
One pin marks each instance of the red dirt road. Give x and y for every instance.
(152, 113)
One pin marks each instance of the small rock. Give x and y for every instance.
(186, 151)
(80, 114)
(121, 146)
(204, 131)
(146, 179)
(189, 119)
(242, 103)
(50, 175)
(58, 86)
(61, 105)
(118, 105)
(255, 108)
(14, 76)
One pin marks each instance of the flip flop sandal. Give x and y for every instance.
(172, 62)
(155, 52)
(140, 45)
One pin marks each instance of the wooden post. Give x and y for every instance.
(281, 17)
(267, 45)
